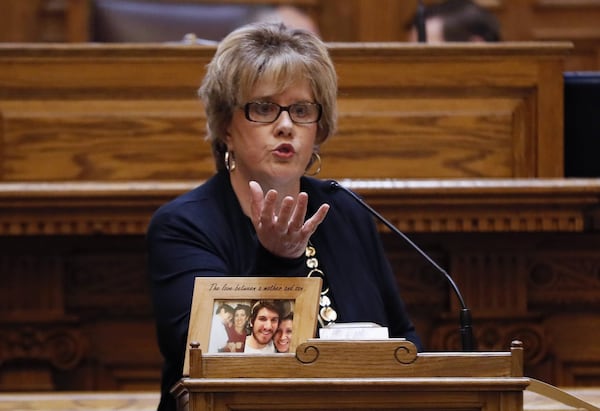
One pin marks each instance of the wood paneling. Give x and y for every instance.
(355, 375)
(118, 113)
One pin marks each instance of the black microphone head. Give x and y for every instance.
(334, 185)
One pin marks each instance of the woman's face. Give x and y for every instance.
(283, 336)
(277, 153)
(239, 319)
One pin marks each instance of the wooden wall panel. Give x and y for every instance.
(517, 285)
(116, 112)
(467, 141)
(455, 139)
(20, 21)
(76, 315)
(547, 293)
(100, 140)
(363, 20)
(574, 20)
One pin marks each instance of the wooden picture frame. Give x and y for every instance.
(301, 294)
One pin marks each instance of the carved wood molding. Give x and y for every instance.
(490, 205)
(493, 335)
(61, 345)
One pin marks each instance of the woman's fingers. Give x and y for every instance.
(296, 220)
(311, 225)
(284, 232)
(256, 201)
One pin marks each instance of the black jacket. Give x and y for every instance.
(205, 233)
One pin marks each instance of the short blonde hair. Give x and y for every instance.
(260, 51)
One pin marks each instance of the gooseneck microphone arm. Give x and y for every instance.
(466, 331)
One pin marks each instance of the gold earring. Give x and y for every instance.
(229, 161)
(314, 158)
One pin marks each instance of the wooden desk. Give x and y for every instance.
(130, 112)
(354, 375)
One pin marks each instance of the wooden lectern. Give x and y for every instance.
(354, 375)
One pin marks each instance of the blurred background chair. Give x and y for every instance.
(152, 21)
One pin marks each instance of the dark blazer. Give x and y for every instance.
(205, 233)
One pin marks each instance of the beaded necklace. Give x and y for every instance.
(327, 313)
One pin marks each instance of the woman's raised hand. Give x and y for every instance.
(285, 233)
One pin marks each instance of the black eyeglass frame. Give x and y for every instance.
(247, 106)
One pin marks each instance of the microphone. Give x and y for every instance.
(420, 23)
(466, 331)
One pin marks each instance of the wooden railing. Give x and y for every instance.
(415, 206)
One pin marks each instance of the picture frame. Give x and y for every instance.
(298, 294)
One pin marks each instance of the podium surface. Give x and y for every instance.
(354, 375)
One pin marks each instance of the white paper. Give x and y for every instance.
(354, 331)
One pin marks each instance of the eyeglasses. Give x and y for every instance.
(300, 113)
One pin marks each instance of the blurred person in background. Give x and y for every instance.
(455, 21)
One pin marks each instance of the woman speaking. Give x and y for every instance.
(270, 100)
